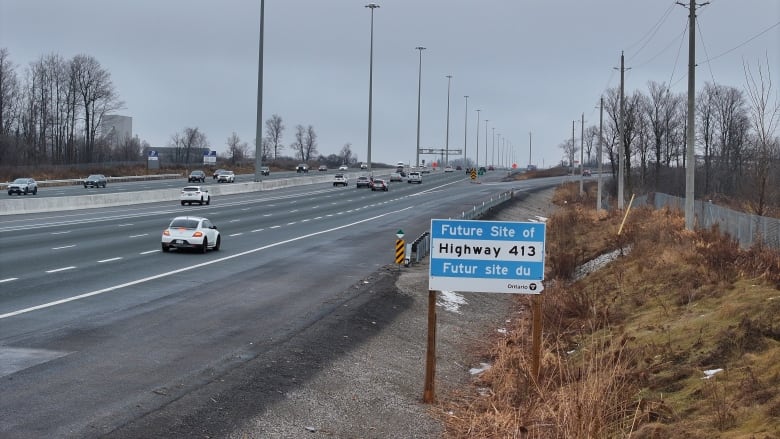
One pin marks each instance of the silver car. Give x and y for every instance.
(23, 186)
(191, 232)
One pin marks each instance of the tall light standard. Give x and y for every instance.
(371, 6)
(477, 164)
(447, 137)
(493, 157)
(259, 120)
(465, 134)
(419, 87)
(486, 142)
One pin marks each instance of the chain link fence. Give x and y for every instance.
(747, 229)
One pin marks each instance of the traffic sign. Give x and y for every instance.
(399, 233)
(487, 256)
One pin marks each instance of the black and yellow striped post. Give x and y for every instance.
(400, 248)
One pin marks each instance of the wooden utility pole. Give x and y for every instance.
(429, 394)
(601, 159)
(621, 126)
(582, 157)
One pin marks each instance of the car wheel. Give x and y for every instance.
(85, 186)
(10, 193)
(208, 201)
(205, 245)
(182, 203)
(219, 243)
(201, 201)
(165, 248)
(25, 191)
(35, 191)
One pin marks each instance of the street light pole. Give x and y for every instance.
(493, 156)
(465, 134)
(486, 142)
(447, 138)
(371, 6)
(477, 164)
(419, 87)
(259, 120)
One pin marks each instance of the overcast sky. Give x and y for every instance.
(530, 66)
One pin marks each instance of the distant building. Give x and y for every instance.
(116, 128)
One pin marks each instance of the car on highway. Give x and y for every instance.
(343, 168)
(226, 177)
(197, 176)
(380, 185)
(396, 176)
(459, 168)
(323, 168)
(491, 168)
(191, 232)
(302, 168)
(23, 186)
(95, 180)
(195, 194)
(586, 173)
(216, 173)
(448, 169)
(425, 170)
(340, 180)
(362, 181)
(265, 170)
(363, 166)
(414, 177)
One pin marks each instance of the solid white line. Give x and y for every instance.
(60, 233)
(60, 269)
(110, 260)
(65, 246)
(8, 280)
(148, 251)
(191, 267)
(138, 236)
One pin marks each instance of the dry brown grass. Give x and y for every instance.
(625, 348)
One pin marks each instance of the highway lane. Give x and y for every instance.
(150, 327)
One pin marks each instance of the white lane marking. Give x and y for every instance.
(60, 233)
(318, 217)
(8, 280)
(109, 260)
(125, 225)
(148, 251)
(235, 220)
(64, 246)
(236, 234)
(289, 224)
(191, 267)
(275, 227)
(306, 220)
(246, 208)
(61, 269)
(294, 210)
(257, 230)
(138, 236)
(267, 214)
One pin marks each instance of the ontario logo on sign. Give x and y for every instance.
(487, 256)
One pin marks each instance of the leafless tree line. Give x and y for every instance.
(51, 112)
(738, 147)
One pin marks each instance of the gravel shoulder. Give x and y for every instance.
(357, 372)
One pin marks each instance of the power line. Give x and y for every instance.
(679, 36)
(701, 37)
(677, 58)
(708, 60)
(652, 31)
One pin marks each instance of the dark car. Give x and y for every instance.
(362, 181)
(303, 167)
(217, 172)
(265, 170)
(586, 173)
(379, 185)
(197, 176)
(95, 180)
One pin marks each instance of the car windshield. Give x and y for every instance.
(95, 177)
(184, 223)
(197, 172)
(20, 180)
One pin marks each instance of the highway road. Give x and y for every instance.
(99, 328)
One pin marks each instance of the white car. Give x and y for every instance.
(195, 194)
(449, 169)
(23, 186)
(396, 176)
(340, 180)
(343, 168)
(414, 177)
(226, 177)
(191, 232)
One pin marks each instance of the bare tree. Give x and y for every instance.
(765, 118)
(273, 133)
(705, 112)
(237, 150)
(346, 154)
(310, 143)
(569, 150)
(656, 110)
(298, 144)
(185, 142)
(97, 95)
(591, 139)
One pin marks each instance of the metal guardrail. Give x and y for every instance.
(421, 247)
(78, 181)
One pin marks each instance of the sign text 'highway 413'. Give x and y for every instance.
(487, 256)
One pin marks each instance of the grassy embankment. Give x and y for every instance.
(625, 348)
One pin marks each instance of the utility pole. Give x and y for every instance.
(621, 125)
(529, 149)
(690, 155)
(419, 87)
(477, 164)
(447, 138)
(493, 157)
(486, 142)
(465, 134)
(571, 154)
(582, 147)
(601, 127)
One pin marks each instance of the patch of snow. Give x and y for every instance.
(711, 373)
(451, 301)
(597, 263)
(478, 370)
(541, 218)
(501, 330)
